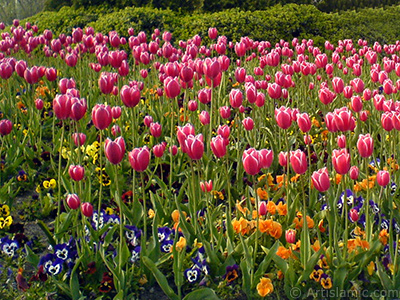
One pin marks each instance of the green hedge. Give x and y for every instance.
(272, 24)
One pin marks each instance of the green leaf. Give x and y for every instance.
(31, 257)
(66, 223)
(202, 294)
(246, 285)
(47, 232)
(262, 268)
(385, 279)
(310, 265)
(161, 279)
(119, 296)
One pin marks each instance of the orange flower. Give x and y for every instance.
(295, 178)
(383, 236)
(280, 179)
(338, 178)
(241, 226)
(271, 207)
(310, 222)
(175, 216)
(282, 209)
(181, 244)
(239, 207)
(265, 287)
(353, 244)
(316, 246)
(279, 275)
(262, 194)
(321, 227)
(276, 231)
(283, 252)
(265, 226)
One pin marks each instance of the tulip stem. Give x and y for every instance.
(229, 208)
(121, 220)
(100, 173)
(257, 229)
(143, 246)
(366, 203)
(346, 219)
(59, 179)
(192, 201)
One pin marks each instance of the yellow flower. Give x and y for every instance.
(326, 283)
(38, 189)
(371, 268)
(5, 210)
(50, 184)
(196, 244)
(109, 211)
(265, 287)
(181, 244)
(151, 213)
(5, 222)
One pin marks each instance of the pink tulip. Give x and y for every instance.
(248, 123)
(73, 201)
(274, 90)
(356, 103)
(320, 180)
(365, 145)
(115, 150)
(139, 158)
(5, 127)
(235, 98)
(354, 172)
(204, 117)
(383, 178)
(192, 105)
(76, 172)
(172, 87)
(212, 33)
(62, 106)
(224, 131)
(106, 83)
(265, 158)
(87, 209)
(130, 96)
(262, 208)
(290, 236)
(148, 120)
(240, 74)
(194, 146)
(101, 116)
(304, 122)
(39, 104)
(173, 150)
(344, 119)
(353, 215)
(225, 112)
(341, 141)
(79, 139)
(341, 161)
(78, 108)
(282, 158)
(326, 96)
(283, 117)
(206, 186)
(387, 121)
(155, 129)
(115, 130)
(338, 85)
(251, 161)
(218, 146)
(158, 150)
(298, 161)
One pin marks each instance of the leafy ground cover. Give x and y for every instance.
(132, 167)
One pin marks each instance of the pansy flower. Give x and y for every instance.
(374, 207)
(46, 261)
(22, 176)
(231, 274)
(135, 254)
(396, 226)
(163, 233)
(98, 220)
(133, 235)
(5, 222)
(316, 273)
(166, 246)
(192, 274)
(62, 251)
(326, 281)
(9, 247)
(56, 267)
(112, 219)
(4, 210)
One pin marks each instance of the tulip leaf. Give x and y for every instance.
(310, 265)
(244, 267)
(202, 294)
(262, 268)
(47, 232)
(31, 257)
(161, 279)
(385, 279)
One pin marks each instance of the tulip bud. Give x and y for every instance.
(282, 157)
(298, 161)
(158, 150)
(204, 117)
(206, 186)
(194, 146)
(353, 215)
(365, 145)
(218, 146)
(262, 209)
(5, 127)
(79, 139)
(290, 236)
(115, 150)
(225, 112)
(248, 124)
(115, 130)
(341, 141)
(173, 150)
(341, 161)
(155, 129)
(251, 161)
(383, 178)
(354, 172)
(73, 201)
(320, 180)
(283, 117)
(116, 112)
(87, 209)
(192, 105)
(39, 104)
(76, 172)
(266, 158)
(303, 120)
(101, 116)
(139, 158)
